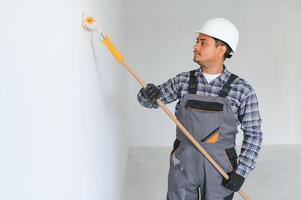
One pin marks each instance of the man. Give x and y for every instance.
(212, 103)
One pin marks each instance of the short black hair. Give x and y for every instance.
(219, 42)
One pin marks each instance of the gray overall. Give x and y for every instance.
(211, 122)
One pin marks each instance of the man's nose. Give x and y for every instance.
(195, 47)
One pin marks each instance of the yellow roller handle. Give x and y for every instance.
(106, 40)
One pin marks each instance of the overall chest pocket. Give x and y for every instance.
(202, 117)
(204, 106)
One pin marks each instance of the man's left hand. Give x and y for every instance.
(234, 182)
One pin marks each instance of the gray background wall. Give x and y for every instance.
(160, 40)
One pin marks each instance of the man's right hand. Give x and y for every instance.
(151, 92)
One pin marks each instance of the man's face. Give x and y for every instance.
(205, 50)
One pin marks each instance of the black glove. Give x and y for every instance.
(234, 182)
(151, 92)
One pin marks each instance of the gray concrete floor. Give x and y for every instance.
(277, 175)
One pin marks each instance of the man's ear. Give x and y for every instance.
(222, 50)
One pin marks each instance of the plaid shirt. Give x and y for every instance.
(244, 105)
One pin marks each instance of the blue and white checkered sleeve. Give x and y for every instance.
(170, 92)
(251, 126)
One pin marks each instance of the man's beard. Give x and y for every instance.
(196, 61)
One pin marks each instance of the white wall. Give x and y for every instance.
(61, 116)
(160, 37)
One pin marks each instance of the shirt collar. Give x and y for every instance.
(223, 77)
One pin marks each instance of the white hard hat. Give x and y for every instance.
(221, 29)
